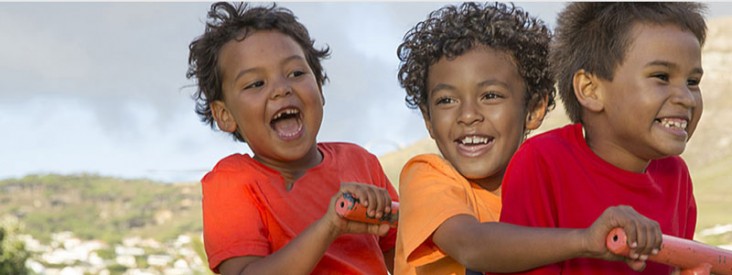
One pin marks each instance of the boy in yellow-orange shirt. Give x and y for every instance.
(480, 77)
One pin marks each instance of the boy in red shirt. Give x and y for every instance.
(259, 78)
(629, 77)
(480, 76)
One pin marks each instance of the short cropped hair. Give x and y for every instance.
(451, 31)
(595, 37)
(227, 22)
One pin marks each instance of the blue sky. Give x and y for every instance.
(100, 87)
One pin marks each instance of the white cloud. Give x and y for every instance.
(98, 87)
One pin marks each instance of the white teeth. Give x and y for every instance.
(674, 123)
(286, 112)
(474, 140)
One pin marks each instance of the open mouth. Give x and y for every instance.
(287, 123)
(474, 140)
(474, 145)
(673, 123)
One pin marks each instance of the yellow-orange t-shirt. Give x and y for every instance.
(432, 191)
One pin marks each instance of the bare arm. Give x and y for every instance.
(502, 247)
(304, 252)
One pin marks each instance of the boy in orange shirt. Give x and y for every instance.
(259, 78)
(629, 75)
(479, 75)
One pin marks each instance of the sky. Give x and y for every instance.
(100, 88)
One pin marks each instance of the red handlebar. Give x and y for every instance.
(690, 256)
(349, 207)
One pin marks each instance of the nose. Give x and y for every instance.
(281, 87)
(469, 113)
(686, 97)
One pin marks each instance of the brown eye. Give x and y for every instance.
(297, 73)
(660, 76)
(444, 100)
(692, 82)
(255, 84)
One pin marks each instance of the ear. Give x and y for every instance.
(536, 115)
(587, 90)
(224, 120)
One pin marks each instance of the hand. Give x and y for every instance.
(377, 201)
(644, 236)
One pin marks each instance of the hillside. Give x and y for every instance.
(104, 208)
(708, 153)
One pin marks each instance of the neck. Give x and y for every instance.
(291, 171)
(613, 153)
(492, 184)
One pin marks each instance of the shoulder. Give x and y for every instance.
(231, 163)
(343, 147)
(552, 142)
(231, 169)
(556, 136)
(431, 160)
(429, 165)
(346, 151)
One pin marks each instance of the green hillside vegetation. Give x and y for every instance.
(103, 208)
(713, 193)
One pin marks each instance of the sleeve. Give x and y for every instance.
(526, 194)
(232, 223)
(421, 186)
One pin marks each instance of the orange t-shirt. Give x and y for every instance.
(432, 191)
(247, 210)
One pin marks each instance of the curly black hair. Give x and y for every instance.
(452, 31)
(228, 21)
(595, 37)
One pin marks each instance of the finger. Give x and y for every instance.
(631, 231)
(636, 265)
(387, 201)
(375, 205)
(647, 239)
(366, 228)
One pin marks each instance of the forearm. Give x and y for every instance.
(299, 256)
(501, 247)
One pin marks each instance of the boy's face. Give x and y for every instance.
(270, 96)
(654, 103)
(476, 112)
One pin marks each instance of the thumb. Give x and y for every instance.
(378, 229)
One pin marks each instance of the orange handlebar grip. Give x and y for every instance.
(349, 207)
(690, 256)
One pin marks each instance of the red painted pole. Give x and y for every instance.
(689, 256)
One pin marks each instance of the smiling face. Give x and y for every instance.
(476, 112)
(653, 104)
(271, 97)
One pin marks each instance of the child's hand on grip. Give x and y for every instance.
(377, 201)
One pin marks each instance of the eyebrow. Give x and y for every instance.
(696, 70)
(292, 57)
(485, 83)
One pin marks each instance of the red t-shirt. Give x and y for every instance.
(555, 180)
(248, 212)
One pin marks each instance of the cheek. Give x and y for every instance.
(696, 113)
(509, 118)
(441, 122)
